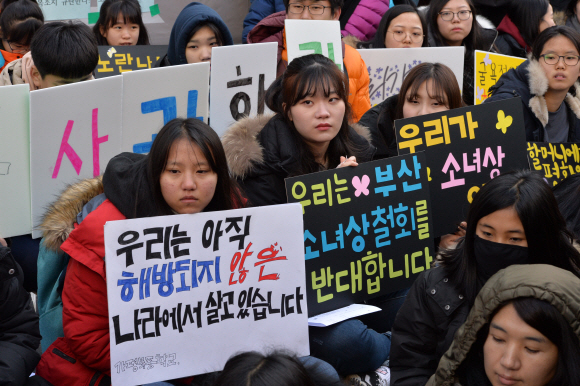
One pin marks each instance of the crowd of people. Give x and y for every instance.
(501, 304)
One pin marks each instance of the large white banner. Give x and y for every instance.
(186, 292)
(305, 37)
(154, 97)
(240, 76)
(74, 131)
(389, 66)
(14, 161)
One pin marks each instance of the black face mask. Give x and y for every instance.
(491, 257)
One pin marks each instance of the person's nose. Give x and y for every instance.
(510, 359)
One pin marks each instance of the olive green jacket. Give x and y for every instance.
(545, 282)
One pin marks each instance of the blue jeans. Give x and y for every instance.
(322, 373)
(349, 346)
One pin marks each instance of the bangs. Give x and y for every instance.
(131, 14)
(22, 32)
(436, 91)
(316, 80)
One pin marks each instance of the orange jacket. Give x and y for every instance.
(271, 29)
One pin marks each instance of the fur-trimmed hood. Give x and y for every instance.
(538, 83)
(556, 286)
(244, 150)
(59, 219)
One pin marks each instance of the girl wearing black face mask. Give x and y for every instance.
(513, 219)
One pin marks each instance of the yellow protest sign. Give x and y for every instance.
(488, 69)
(556, 161)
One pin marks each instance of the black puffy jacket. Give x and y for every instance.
(380, 122)
(19, 332)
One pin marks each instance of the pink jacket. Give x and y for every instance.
(365, 19)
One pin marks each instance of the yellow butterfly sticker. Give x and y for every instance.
(503, 122)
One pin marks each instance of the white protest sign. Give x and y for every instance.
(240, 76)
(305, 37)
(74, 131)
(154, 97)
(185, 292)
(14, 161)
(389, 66)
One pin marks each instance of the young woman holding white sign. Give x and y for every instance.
(185, 172)
(513, 219)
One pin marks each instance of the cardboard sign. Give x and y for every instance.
(489, 68)
(367, 230)
(153, 98)
(389, 66)
(65, 9)
(220, 283)
(14, 161)
(240, 77)
(74, 131)
(556, 161)
(305, 37)
(119, 59)
(465, 148)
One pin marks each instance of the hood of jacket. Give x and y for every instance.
(59, 219)
(269, 29)
(244, 150)
(193, 14)
(507, 26)
(556, 286)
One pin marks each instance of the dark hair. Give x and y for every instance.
(549, 242)
(227, 194)
(379, 40)
(110, 11)
(20, 20)
(571, 8)
(567, 195)
(445, 87)
(219, 37)
(527, 16)
(305, 76)
(255, 369)
(65, 49)
(472, 41)
(334, 5)
(552, 32)
(6, 3)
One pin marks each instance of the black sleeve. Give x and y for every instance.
(264, 188)
(19, 332)
(414, 340)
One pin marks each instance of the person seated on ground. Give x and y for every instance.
(186, 157)
(524, 21)
(271, 29)
(18, 24)
(523, 329)
(19, 333)
(60, 53)
(513, 219)
(548, 87)
(120, 24)
(402, 26)
(427, 88)
(453, 23)
(277, 368)
(567, 193)
(197, 29)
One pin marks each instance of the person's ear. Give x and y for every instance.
(35, 76)
(289, 112)
(336, 15)
(103, 31)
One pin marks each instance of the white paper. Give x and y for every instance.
(305, 37)
(152, 98)
(389, 66)
(204, 347)
(74, 131)
(240, 76)
(65, 9)
(14, 161)
(331, 317)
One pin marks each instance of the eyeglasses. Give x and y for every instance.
(314, 9)
(448, 15)
(569, 60)
(18, 48)
(399, 36)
